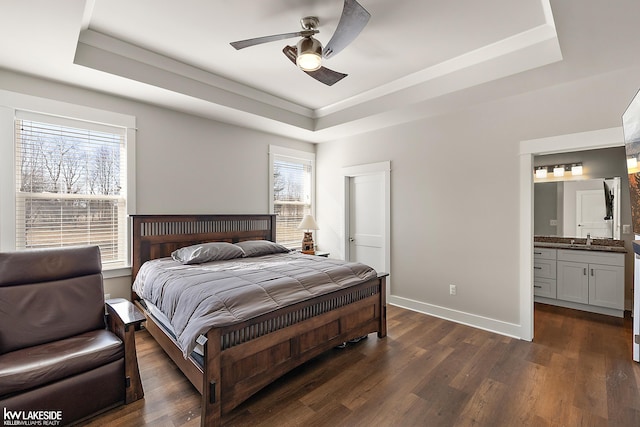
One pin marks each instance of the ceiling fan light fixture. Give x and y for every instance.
(309, 54)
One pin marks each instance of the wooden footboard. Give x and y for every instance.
(243, 369)
(242, 358)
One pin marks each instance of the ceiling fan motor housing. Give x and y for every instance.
(309, 22)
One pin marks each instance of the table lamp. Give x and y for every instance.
(308, 223)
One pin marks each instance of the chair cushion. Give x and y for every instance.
(43, 364)
(49, 294)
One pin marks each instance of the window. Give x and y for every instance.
(71, 185)
(292, 182)
(66, 177)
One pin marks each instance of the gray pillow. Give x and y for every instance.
(205, 252)
(261, 247)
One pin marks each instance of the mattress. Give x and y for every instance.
(195, 298)
(159, 316)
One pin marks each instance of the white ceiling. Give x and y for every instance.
(177, 54)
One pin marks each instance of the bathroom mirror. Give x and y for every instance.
(578, 208)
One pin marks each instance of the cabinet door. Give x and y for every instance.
(606, 286)
(573, 281)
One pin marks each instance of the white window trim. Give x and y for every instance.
(10, 102)
(276, 150)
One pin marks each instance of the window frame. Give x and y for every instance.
(10, 104)
(277, 152)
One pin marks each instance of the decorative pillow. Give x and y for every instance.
(261, 247)
(206, 252)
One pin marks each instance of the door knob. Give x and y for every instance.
(351, 239)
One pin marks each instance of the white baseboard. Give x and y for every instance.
(485, 323)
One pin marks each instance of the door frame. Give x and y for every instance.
(361, 170)
(603, 138)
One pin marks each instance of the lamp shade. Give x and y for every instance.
(308, 223)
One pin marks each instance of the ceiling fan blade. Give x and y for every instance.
(354, 18)
(323, 74)
(241, 44)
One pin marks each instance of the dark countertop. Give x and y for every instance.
(579, 244)
(582, 247)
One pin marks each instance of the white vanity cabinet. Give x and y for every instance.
(588, 280)
(591, 277)
(544, 272)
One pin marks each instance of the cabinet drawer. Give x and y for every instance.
(591, 257)
(544, 253)
(543, 268)
(544, 287)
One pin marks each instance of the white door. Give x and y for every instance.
(367, 220)
(590, 213)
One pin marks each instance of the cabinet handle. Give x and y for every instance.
(537, 286)
(537, 268)
(592, 272)
(537, 253)
(584, 271)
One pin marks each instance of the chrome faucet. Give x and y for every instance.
(588, 239)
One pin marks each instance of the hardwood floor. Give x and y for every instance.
(427, 372)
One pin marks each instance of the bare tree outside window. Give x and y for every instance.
(69, 187)
(292, 199)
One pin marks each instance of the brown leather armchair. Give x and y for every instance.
(56, 353)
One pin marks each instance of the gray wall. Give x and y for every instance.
(454, 181)
(455, 192)
(184, 164)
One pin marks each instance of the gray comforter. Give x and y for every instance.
(197, 297)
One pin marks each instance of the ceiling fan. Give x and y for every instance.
(308, 52)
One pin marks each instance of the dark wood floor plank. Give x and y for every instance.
(426, 372)
(485, 405)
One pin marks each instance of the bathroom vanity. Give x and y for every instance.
(580, 276)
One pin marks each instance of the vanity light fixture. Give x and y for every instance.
(541, 173)
(558, 171)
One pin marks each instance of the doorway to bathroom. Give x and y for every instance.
(530, 151)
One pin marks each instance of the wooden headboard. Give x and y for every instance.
(156, 236)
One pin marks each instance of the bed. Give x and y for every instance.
(238, 359)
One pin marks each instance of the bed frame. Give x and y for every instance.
(241, 359)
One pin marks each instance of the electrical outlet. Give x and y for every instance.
(452, 289)
(553, 222)
(626, 228)
(107, 296)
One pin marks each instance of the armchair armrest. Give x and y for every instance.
(122, 314)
